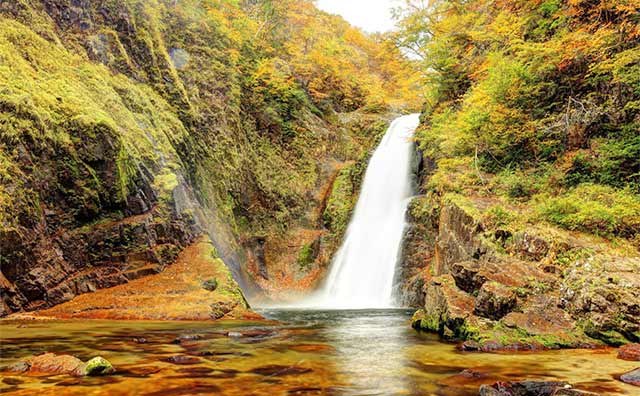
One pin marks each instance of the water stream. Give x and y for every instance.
(362, 271)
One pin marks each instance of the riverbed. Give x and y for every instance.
(302, 352)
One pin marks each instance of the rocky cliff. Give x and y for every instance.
(130, 128)
(497, 287)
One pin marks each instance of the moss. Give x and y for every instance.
(608, 335)
(306, 256)
(210, 284)
(426, 322)
(342, 200)
(98, 366)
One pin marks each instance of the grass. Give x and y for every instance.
(592, 208)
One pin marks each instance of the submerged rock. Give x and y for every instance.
(629, 352)
(276, 370)
(181, 360)
(632, 377)
(50, 363)
(186, 338)
(532, 388)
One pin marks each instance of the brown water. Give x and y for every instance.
(308, 353)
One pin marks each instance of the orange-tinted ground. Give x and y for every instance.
(288, 280)
(177, 293)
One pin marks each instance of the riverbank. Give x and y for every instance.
(198, 286)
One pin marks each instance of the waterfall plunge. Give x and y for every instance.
(362, 271)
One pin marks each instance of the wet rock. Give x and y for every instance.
(12, 381)
(305, 390)
(186, 390)
(632, 377)
(195, 372)
(494, 301)
(181, 360)
(547, 325)
(18, 367)
(472, 374)
(98, 366)
(139, 372)
(50, 363)
(447, 310)
(312, 348)
(532, 388)
(629, 352)
(275, 370)
(463, 381)
(186, 338)
(434, 368)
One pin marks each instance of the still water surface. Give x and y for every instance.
(372, 352)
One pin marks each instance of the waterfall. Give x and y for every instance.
(362, 271)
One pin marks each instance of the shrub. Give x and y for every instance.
(594, 208)
(497, 216)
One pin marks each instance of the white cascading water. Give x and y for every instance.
(362, 271)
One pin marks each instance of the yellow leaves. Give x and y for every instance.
(506, 28)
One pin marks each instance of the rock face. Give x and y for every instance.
(494, 289)
(177, 293)
(106, 179)
(494, 301)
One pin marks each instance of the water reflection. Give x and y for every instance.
(369, 348)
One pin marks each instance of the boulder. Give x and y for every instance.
(632, 377)
(98, 366)
(629, 352)
(50, 363)
(494, 301)
(471, 275)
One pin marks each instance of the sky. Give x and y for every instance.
(370, 15)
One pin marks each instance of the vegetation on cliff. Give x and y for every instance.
(531, 140)
(535, 100)
(169, 118)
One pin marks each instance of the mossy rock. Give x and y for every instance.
(98, 366)
(210, 284)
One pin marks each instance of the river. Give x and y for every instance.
(302, 352)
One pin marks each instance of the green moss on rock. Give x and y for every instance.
(98, 366)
